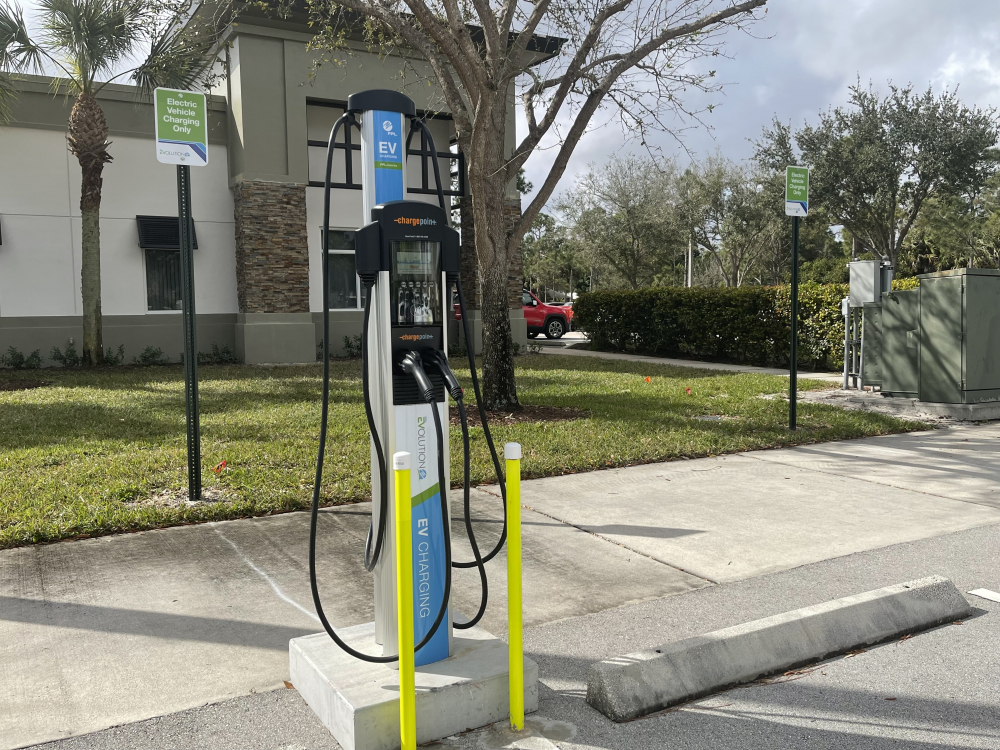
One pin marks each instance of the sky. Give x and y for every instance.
(803, 57)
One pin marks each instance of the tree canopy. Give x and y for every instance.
(875, 162)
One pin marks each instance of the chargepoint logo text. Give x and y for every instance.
(414, 222)
(422, 447)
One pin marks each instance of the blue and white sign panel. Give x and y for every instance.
(415, 434)
(388, 154)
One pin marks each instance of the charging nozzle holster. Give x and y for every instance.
(412, 365)
(437, 359)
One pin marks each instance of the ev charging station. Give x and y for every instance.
(408, 258)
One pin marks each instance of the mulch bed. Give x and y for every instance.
(22, 385)
(525, 414)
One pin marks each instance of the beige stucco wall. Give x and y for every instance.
(40, 221)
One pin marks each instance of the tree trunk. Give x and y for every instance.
(493, 253)
(88, 141)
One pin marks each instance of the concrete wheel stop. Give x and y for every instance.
(359, 702)
(641, 683)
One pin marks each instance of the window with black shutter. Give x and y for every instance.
(159, 238)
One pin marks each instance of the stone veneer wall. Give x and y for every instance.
(470, 268)
(272, 247)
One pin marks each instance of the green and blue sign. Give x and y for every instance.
(181, 127)
(797, 191)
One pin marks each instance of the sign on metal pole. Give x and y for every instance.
(797, 191)
(796, 206)
(181, 127)
(182, 139)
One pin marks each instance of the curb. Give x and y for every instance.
(626, 687)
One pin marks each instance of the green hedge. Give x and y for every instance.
(749, 325)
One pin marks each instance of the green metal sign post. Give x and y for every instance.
(182, 139)
(796, 206)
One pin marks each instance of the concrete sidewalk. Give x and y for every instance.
(935, 690)
(829, 377)
(108, 631)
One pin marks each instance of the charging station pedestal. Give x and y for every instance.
(405, 257)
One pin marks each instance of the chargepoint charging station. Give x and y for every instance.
(408, 260)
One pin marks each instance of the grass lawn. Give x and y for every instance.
(85, 454)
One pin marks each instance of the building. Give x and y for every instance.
(257, 208)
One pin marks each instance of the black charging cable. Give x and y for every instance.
(371, 557)
(486, 430)
(415, 124)
(440, 361)
(321, 453)
(412, 364)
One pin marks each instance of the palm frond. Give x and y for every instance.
(180, 57)
(94, 36)
(18, 54)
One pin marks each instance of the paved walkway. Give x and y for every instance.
(831, 377)
(108, 631)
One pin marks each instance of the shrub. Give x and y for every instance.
(69, 358)
(18, 361)
(748, 325)
(151, 356)
(218, 356)
(112, 357)
(352, 346)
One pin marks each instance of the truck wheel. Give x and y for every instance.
(555, 328)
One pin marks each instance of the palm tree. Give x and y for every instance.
(92, 43)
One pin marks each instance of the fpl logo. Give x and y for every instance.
(422, 473)
(387, 127)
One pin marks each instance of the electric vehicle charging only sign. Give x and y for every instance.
(387, 128)
(797, 191)
(181, 127)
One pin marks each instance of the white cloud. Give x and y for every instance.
(807, 54)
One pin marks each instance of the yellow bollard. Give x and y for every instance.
(515, 647)
(404, 603)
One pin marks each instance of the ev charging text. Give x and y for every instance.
(423, 571)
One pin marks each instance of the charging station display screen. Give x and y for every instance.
(416, 282)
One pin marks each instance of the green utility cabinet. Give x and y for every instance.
(871, 345)
(900, 355)
(959, 336)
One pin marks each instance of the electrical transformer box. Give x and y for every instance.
(959, 336)
(900, 355)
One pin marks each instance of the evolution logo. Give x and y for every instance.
(410, 221)
(422, 447)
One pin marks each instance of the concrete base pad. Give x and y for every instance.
(907, 407)
(359, 702)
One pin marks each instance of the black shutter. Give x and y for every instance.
(162, 233)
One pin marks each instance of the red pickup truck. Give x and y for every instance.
(552, 320)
